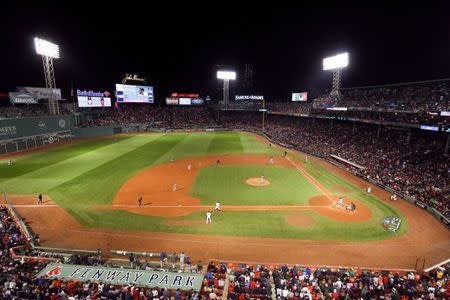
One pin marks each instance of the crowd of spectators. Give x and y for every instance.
(21, 111)
(32, 110)
(18, 280)
(158, 117)
(411, 163)
(214, 282)
(303, 283)
(289, 108)
(421, 117)
(250, 282)
(425, 96)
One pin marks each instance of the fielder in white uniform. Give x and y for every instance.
(217, 207)
(369, 190)
(340, 201)
(189, 167)
(271, 160)
(174, 187)
(208, 217)
(261, 179)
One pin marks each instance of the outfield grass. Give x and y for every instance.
(81, 175)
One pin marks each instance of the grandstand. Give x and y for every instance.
(162, 185)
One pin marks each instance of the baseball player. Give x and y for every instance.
(271, 160)
(140, 201)
(393, 197)
(40, 199)
(261, 179)
(174, 187)
(340, 202)
(306, 159)
(208, 217)
(218, 162)
(369, 190)
(9, 162)
(189, 167)
(217, 207)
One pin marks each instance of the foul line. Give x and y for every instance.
(312, 180)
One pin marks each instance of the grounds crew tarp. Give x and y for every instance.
(116, 276)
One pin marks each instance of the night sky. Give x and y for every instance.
(179, 48)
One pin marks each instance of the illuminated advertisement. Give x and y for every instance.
(134, 93)
(248, 97)
(300, 96)
(93, 99)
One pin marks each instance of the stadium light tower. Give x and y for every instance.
(48, 51)
(336, 64)
(226, 76)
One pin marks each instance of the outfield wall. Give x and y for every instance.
(88, 132)
(27, 133)
(24, 127)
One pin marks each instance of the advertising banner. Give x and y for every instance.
(93, 99)
(21, 127)
(300, 96)
(22, 98)
(115, 276)
(171, 101)
(249, 97)
(134, 93)
(41, 93)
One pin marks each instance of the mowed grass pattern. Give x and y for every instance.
(84, 174)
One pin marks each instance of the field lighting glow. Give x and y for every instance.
(46, 48)
(335, 62)
(230, 75)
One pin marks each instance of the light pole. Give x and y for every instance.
(48, 51)
(336, 64)
(226, 76)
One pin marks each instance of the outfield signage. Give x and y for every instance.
(22, 98)
(445, 113)
(22, 127)
(248, 97)
(41, 93)
(115, 276)
(8, 130)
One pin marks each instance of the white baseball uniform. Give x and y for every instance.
(174, 187)
(340, 202)
(189, 167)
(217, 207)
(208, 218)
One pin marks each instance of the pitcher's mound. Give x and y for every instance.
(257, 182)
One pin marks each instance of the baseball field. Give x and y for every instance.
(268, 200)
